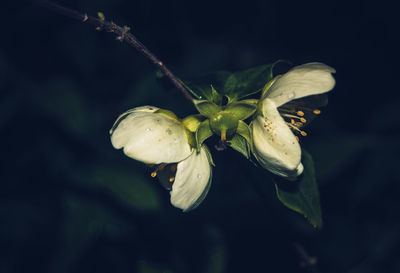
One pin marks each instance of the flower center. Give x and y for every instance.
(294, 116)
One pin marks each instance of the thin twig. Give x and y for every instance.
(122, 33)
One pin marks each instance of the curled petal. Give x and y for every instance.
(192, 181)
(275, 146)
(301, 81)
(150, 137)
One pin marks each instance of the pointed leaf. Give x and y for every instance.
(239, 144)
(203, 132)
(247, 82)
(302, 195)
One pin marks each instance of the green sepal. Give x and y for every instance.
(242, 109)
(209, 156)
(207, 108)
(216, 97)
(168, 114)
(203, 132)
(239, 144)
(192, 122)
(201, 87)
(268, 86)
(302, 195)
(244, 130)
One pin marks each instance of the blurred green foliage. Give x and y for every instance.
(69, 202)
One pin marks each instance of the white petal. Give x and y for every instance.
(275, 146)
(147, 108)
(151, 138)
(192, 181)
(301, 81)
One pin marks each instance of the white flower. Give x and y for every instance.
(153, 137)
(274, 145)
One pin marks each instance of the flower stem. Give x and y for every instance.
(123, 35)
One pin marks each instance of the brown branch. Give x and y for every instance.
(123, 35)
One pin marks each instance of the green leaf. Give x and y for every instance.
(203, 132)
(201, 87)
(302, 195)
(242, 109)
(239, 144)
(232, 85)
(207, 108)
(247, 82)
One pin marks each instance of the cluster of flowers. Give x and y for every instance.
(157, 137)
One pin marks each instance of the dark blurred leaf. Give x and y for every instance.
(216, 254)
(302, 195)
(129, 187)
(334, 154)
(85, 221)
(63, 101)
(148, 267)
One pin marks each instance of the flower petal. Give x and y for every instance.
(192, 181)
(147, 108)
(275, 146)
(151, 138)
(301, 81)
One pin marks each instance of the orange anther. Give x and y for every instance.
(300, 113)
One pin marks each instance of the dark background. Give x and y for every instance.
(69, 202)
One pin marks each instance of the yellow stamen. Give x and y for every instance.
(293, 126)
(153, 174)
(303, 120)
(298, 124)
(300, 113)
(171, 179)
(292, 121)
(303, 133)
(317, 112)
